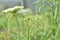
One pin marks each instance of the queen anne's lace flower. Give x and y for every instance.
(7, 10)
(12, 9)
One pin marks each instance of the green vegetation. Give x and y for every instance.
(29, 27)
(20, 24)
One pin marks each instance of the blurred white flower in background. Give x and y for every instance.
(7, 10)
(17, 7)
(12, 9)
(18, 10)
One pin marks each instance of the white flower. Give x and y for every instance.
(7, 10)
(12, 9)
(17, 7)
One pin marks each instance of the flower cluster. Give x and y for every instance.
(12, 9)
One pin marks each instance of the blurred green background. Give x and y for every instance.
(39, 20)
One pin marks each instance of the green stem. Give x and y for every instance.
(57, 17)
(18, 27)
(8, 25)
(28, 33)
